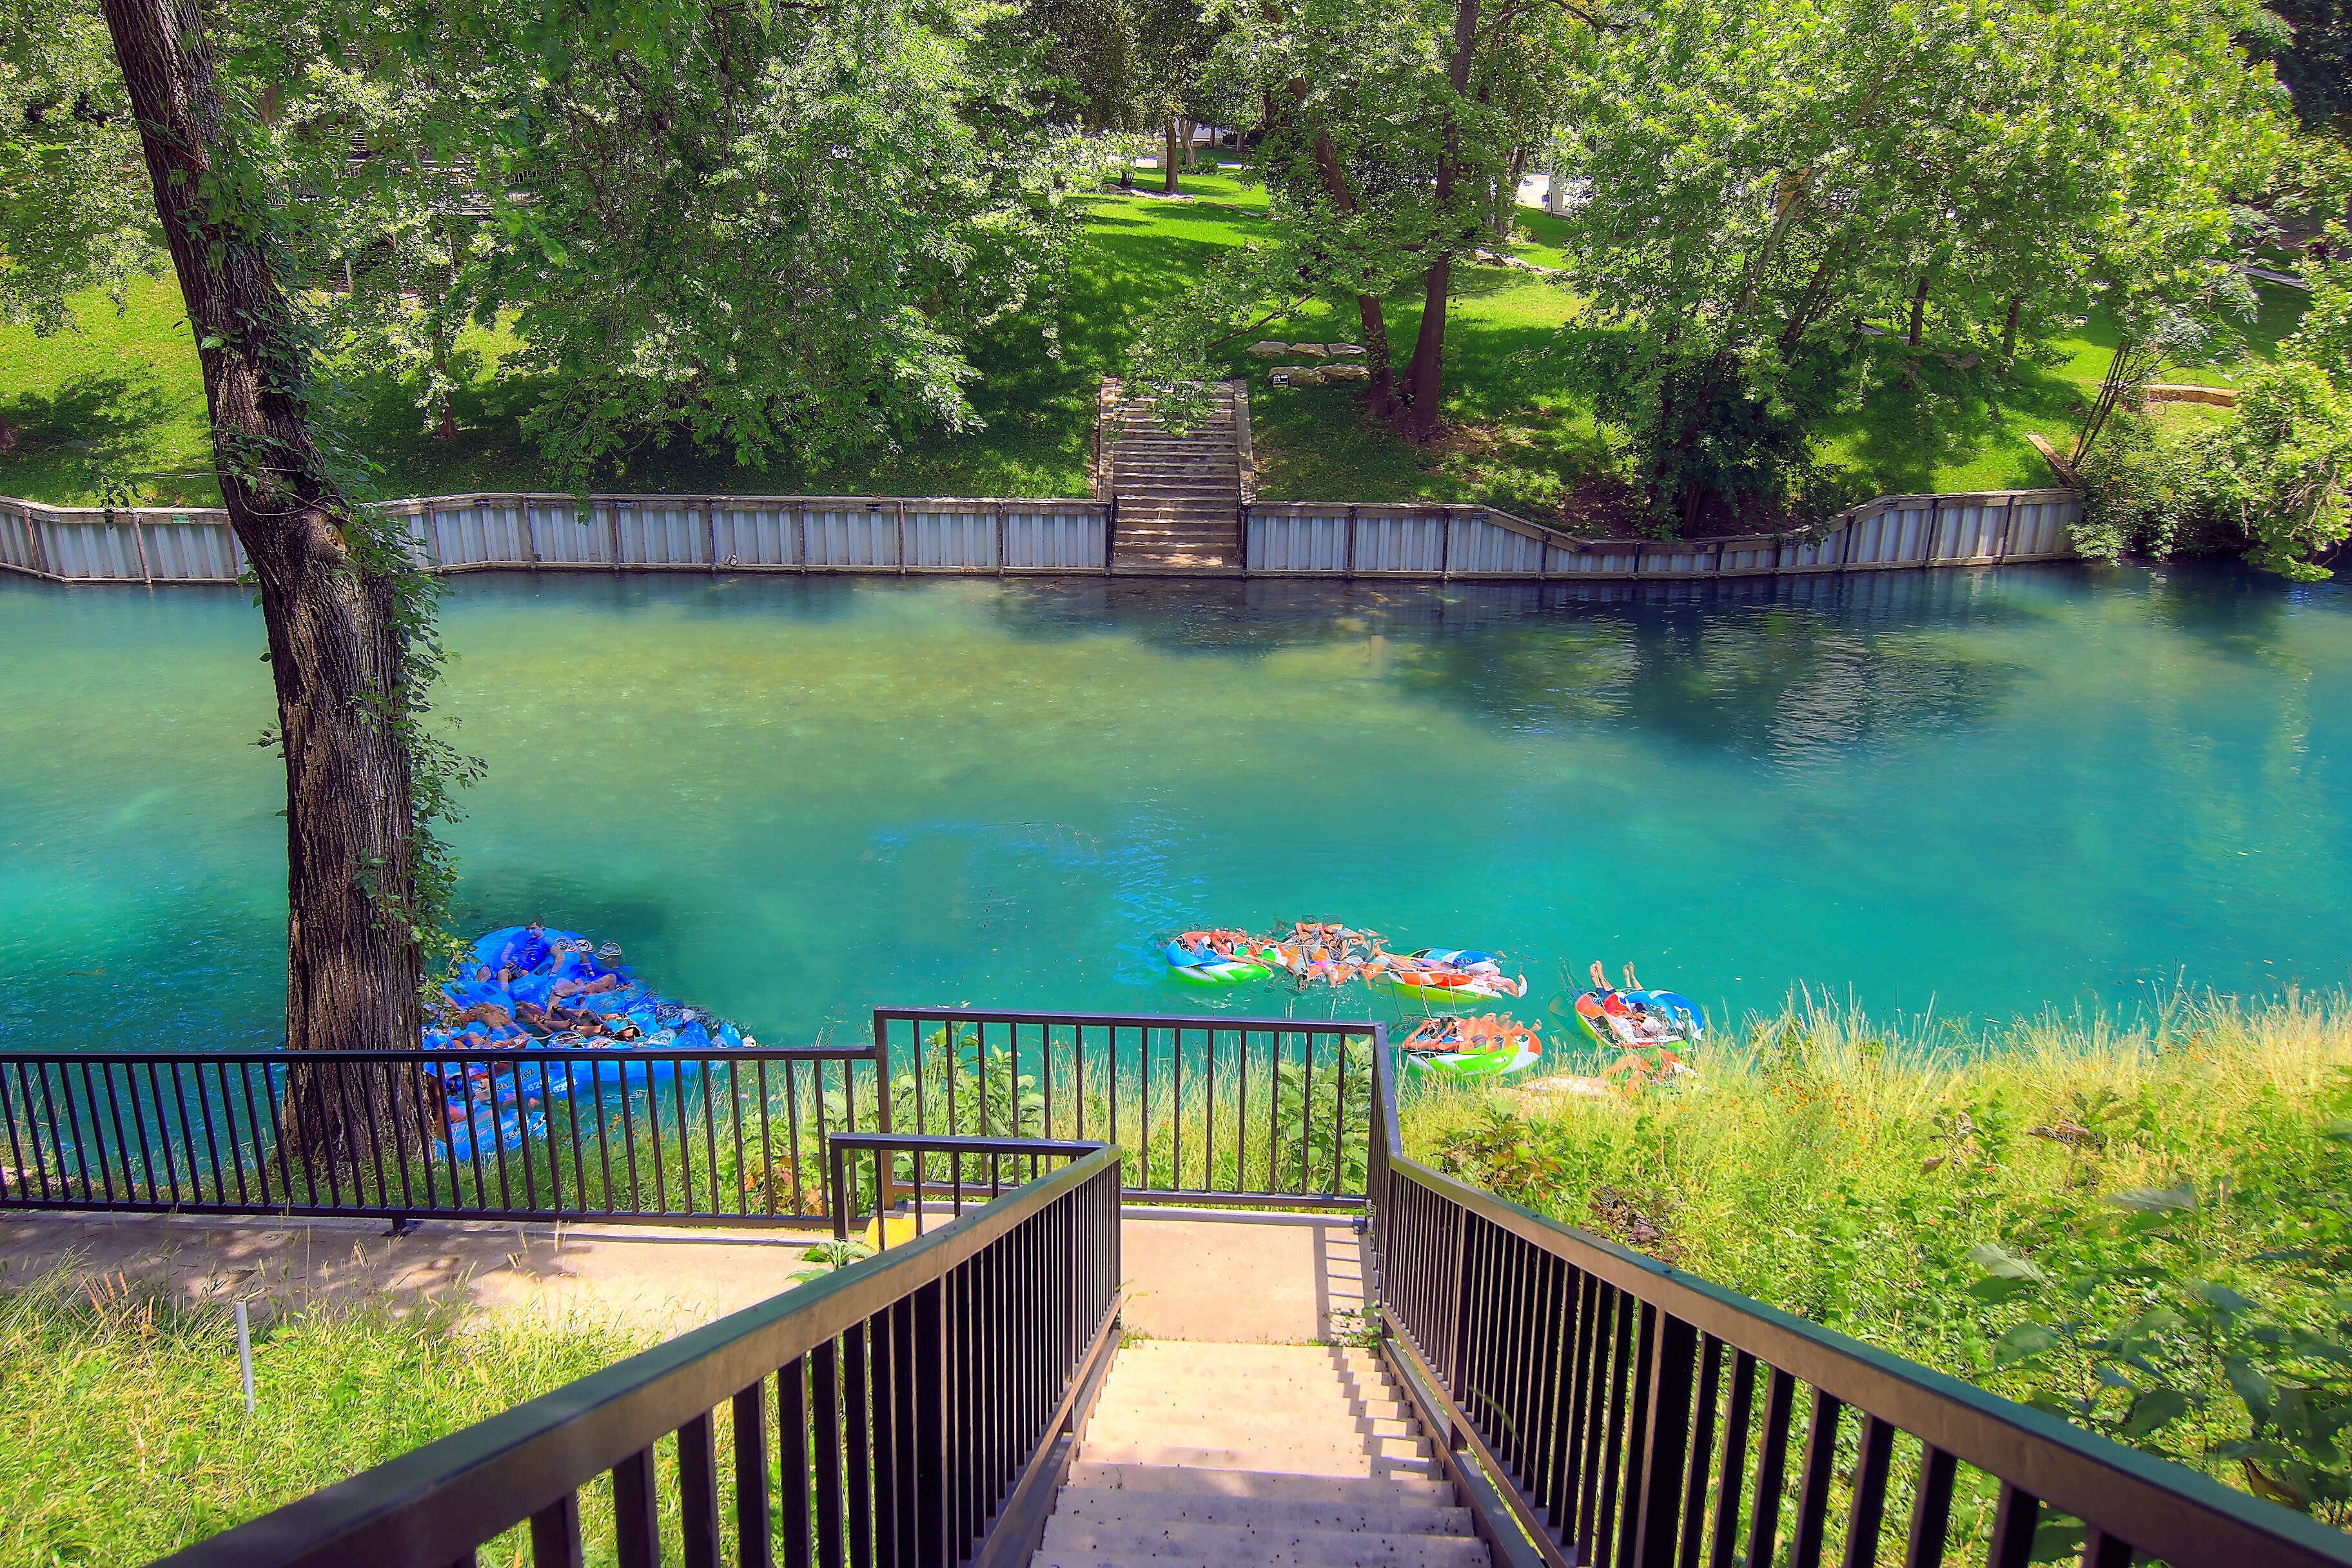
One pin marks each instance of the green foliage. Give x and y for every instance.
(2283, 468)
(2145, 492)
(830, 1256)
(1766, 180)
(2144, 1229)
(75, 211)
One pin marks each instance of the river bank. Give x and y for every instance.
(2143, 1228)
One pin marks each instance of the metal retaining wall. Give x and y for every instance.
(1309, 539)
(905, 535)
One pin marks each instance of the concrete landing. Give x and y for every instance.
(1275, 1278)
(1254, 1279)
(668, 1280)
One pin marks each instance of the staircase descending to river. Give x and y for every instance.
(1179, 497)
(1200, 1455)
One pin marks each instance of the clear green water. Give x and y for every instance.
(1986, 792)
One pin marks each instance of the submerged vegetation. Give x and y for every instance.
(2146, 1228)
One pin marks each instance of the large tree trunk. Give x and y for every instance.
(1425, 376)
(1167, 185)
(1379, 393)
(328, 585)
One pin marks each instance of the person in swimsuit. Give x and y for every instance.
(524, 954)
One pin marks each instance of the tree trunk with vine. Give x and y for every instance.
(330, 581)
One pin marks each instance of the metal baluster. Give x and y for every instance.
(1730, 1475)
(698, 1490)
(1813, 1485)
(1771, 1466)
(636, 1518)
(859, 1472)
(792, 1461)
(825, 1394)
(556, 1533)
(2013, 1521)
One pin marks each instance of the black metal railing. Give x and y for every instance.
(888, 1186)
(1599, 1407)
(683, 1137)
(1208, 1109)
(911, 1410)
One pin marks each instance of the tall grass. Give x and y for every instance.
(2142, 1226)
(125, 1427)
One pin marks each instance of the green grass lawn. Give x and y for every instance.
(121, 397)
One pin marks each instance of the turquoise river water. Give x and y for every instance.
(1984, 793)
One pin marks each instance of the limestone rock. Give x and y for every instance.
(1347, 373)
(1268, 350)
(1338, 350)
(1317, 350)
(1298, 375)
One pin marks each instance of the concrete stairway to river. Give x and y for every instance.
(1179, 496)
(1286, 1456)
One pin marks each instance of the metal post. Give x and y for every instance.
(710, 531)
(1349, 569)
(1000, 539)
(902, 538)
(245, 1354)
(613, 521)
(529, 527)
(800, 516)
(1934, 532)
(33, 536)
(139, 537)
(1110, 530)
(1445, 547)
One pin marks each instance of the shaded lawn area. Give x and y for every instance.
(121, 397)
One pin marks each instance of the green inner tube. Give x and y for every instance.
(1242, 973)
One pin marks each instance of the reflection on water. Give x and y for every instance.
(794, 799)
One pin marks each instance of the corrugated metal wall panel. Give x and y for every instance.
(841, 538)
(956, 539)
(750, 536)
(1305, 539)
(1483, 549)
(1055, 540)
(16, 541)
(191, 551)
(96, 550)
(568, 538)
(1399, 540)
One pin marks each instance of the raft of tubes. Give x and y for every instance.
(561, 990)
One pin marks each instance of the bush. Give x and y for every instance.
(2146, 493)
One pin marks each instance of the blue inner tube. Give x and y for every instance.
(498, 1106)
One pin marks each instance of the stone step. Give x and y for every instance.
(1087, 1543)
(1265, 1486)
(1109, 1504)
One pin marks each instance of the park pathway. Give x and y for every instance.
(1179, 497)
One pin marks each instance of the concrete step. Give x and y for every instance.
(1375, 1458)
(1087, 1541)
(1265, 1486)
(1265, 1398)
(1277, 1429)
(1109, 1504)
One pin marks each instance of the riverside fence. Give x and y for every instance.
(893, 535)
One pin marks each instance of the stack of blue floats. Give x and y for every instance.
(497, 1106)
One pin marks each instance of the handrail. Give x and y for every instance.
(1511, 1317)
(439, 1503)
(1212, 1107)
(675, 1135)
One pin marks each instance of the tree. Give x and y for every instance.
(1389, 126)
(1769, 181)
(348, 616)
(784, 248)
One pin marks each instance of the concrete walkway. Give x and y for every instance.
(1271, 1278)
